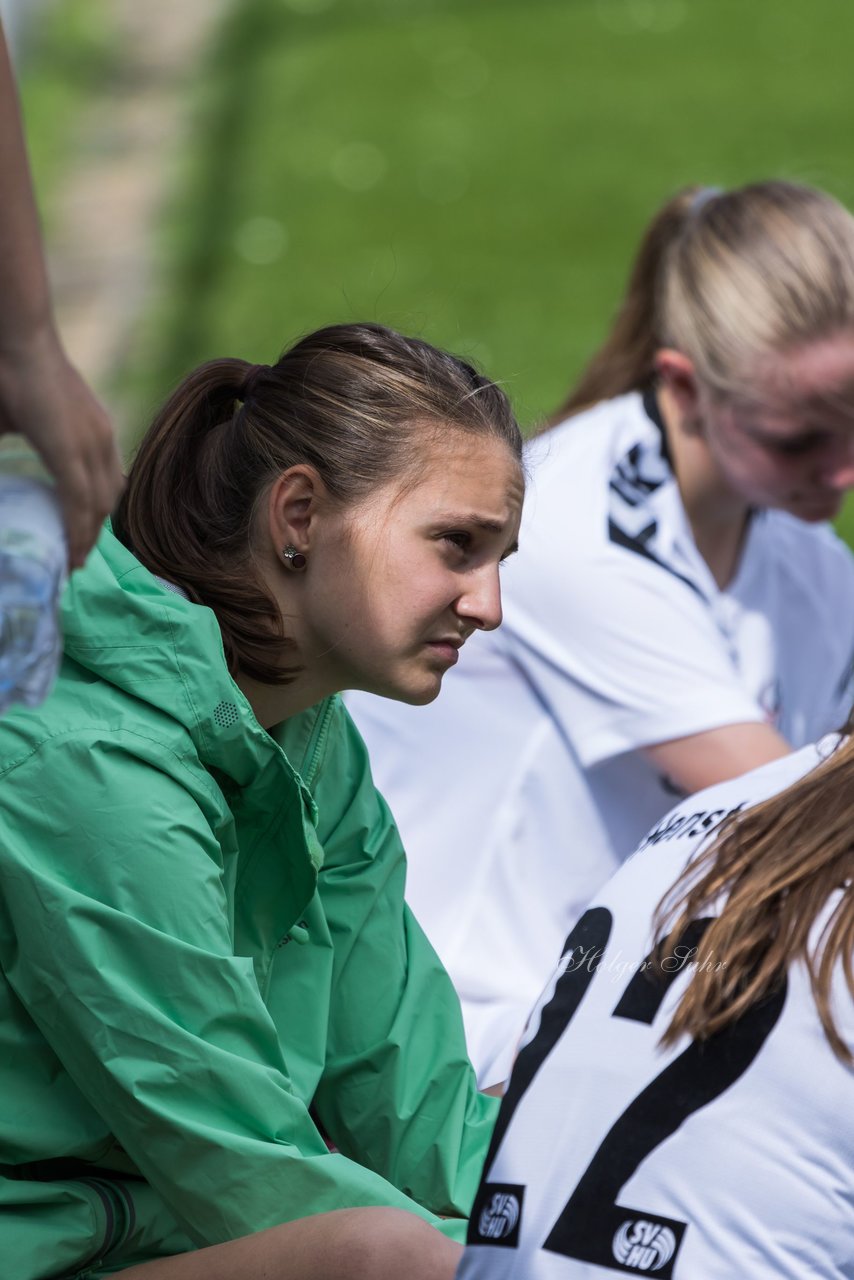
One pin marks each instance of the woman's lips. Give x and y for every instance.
(447, 649)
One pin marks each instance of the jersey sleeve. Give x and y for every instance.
(398, 1088)
(621, 651)
(115, 936)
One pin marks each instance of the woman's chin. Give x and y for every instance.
(816, 511)
(416, 692)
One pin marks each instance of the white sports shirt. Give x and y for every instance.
(521, 788)
(734, 1158)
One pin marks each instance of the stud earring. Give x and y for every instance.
(293, 558)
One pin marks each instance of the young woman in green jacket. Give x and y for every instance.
(206, 964)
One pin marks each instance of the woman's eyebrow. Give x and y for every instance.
(478, 522)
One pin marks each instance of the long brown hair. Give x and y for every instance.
(780, 865)
(727, 278)
(358, 402)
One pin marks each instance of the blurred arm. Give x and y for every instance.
(703, 759)
(25, 311)
(41, 395)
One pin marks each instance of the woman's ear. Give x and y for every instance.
(676, 374)
(295, 499)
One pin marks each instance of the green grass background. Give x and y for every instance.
(474, 171)
(67, 60)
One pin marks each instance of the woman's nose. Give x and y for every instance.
(838, 473)
(480, 604)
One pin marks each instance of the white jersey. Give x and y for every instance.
(611, 1154)
(521, 788)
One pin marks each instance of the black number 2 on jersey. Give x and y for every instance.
(591, 1218)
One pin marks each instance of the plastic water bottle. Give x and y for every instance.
(33, 561)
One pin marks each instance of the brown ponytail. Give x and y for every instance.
(780, 864)
(357, 402)
(184, 512)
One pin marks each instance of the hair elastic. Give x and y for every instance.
(702, 197)
(244, 391)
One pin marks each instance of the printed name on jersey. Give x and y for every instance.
(690, 825)
(497, 1215)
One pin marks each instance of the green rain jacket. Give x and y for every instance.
(203, 934)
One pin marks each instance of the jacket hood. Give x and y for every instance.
(122, 625)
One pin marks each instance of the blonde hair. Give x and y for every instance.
(727, 278)
(780, 865)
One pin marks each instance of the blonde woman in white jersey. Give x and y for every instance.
(684, 1105)
(678, 612)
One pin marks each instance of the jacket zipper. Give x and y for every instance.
(318, 742)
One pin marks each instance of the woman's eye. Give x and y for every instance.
(799, 444)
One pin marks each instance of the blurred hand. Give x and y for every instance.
(43, 397)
